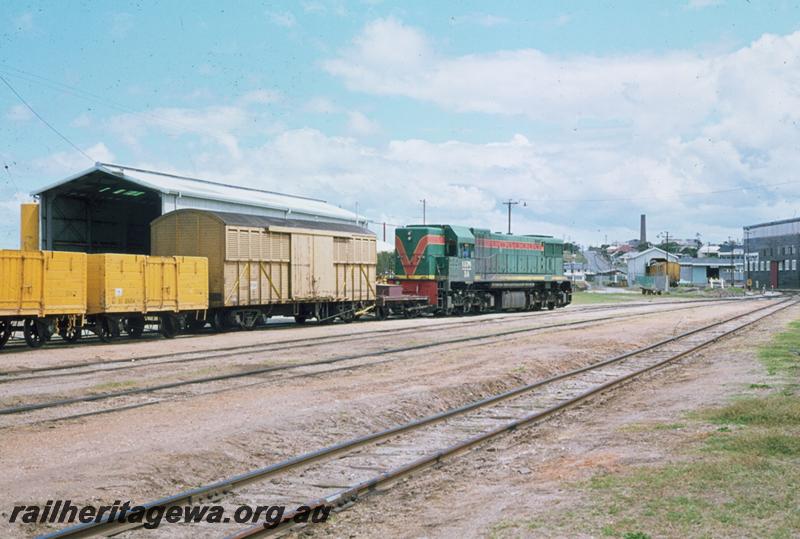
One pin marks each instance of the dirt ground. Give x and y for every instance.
(531, 475)
(209, 432)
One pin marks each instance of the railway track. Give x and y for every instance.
(17, 345)
(228, 351)
(339, 475)
(282, 371)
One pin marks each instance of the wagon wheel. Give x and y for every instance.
(300, 319)
(35, 332)
(381, 313)
(196, 324)
(107, 329)
(249, 320)
(168, 326)
(218, 322)
(5, 332)
(347, 315)
(134, 327)
(323, 314)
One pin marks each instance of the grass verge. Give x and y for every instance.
(739, 478)
(590, 298)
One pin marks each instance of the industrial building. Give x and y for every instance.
(637, 261)
(772, 251)
(699, 271)
(109, 208)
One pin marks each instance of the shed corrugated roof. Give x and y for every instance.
(710, 261)
(260, 221)
(186, 186)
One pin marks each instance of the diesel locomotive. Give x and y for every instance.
(462, 270)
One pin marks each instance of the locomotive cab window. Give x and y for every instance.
(451, 248)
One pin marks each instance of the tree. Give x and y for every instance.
(689, 251)
(386, 262)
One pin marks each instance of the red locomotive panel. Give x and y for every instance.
(426, 288)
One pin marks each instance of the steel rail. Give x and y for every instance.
(508, 317)
(306, 342)
(22, 408)
(346, 496)
(351, 494)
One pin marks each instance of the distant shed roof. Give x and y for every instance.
(204, 189)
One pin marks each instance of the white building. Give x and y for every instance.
(637, 262)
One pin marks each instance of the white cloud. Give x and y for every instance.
(483, 19)
(359, 124)
(384, 46)
(285, 19)
(563, 19)
(321, 105)
(121, 25)
(65, 162)
(23, 22)
(82, 121)
(220, 124)
(702, 4)
(260, 97)
(390, 58)
(19, 113)
(611, 137)
(656, 125)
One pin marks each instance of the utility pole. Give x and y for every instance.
(509, 204)
(423, 211)
(746, 257)
(732, 243)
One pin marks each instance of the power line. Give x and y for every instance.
(45, 122)
(89, 96)
(10, 177)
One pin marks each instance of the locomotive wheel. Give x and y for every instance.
(5, 332)
(107, 329)
(168, 325)
(551, 305)
(300, 319)
(134, 327)
(35, 332)
(381, 313)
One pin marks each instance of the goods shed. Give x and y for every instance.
(699, 271)
(108, 208)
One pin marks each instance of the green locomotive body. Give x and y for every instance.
(465, 270)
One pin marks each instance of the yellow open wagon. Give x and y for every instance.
(125, 292)
(45, 291)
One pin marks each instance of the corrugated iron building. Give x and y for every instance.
(108, 208)
(772, 250)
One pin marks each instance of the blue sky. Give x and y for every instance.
(590, 112)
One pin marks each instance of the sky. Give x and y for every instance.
(587, 113)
